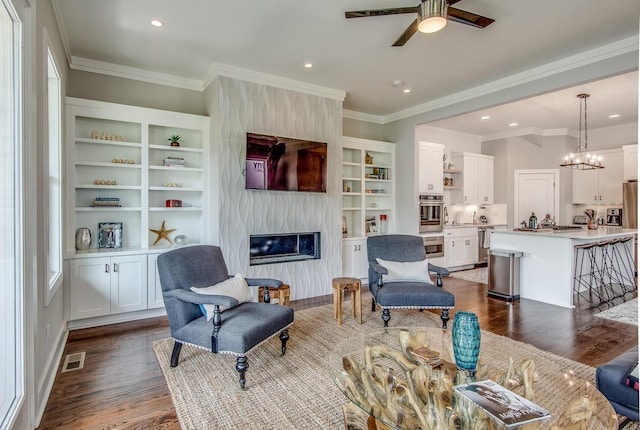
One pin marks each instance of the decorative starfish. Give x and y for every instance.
(163, 233)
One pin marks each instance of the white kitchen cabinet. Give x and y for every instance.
(460, 247)
(630, 162)
(154, 290)
(103, 285)
(354, 257)
(430, 168)
(477, 178)
(600, 186)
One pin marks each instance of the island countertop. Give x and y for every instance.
(552, 260)
(601, 233)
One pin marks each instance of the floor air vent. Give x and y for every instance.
(73, 362)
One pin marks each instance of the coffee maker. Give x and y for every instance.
(614, 217)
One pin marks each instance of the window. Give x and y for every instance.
(11, 229)
(54, 178)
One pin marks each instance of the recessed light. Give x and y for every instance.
(614, 115)
(308, 65)
(406, 90)
(397, 83)
(157, 23)
(513, 124)
(485, 117)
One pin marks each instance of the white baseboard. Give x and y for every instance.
(116, 318)
(45, 384)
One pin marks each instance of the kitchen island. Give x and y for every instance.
(557, 264)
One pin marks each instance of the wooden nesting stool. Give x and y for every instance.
(281, 293)
(347, 284)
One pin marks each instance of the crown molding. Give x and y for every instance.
(360, 116)
(226, 70)
(601, 53)
(111, 69)
(530, 131)
(63, 31)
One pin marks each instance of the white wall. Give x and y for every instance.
(237, 107)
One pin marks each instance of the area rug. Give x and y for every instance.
(626, 312)
(294, 391)
(480, 275)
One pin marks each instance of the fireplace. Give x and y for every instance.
(279, 248)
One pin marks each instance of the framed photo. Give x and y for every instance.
(109, 235)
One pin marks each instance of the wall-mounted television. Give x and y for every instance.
(285, 164)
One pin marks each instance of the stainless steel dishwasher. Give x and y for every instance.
(484, 242)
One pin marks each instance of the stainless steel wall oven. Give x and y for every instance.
(431, 207)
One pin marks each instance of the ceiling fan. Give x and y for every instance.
(432, 16)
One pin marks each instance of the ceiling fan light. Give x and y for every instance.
(432, 16)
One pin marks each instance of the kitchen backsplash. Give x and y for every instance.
(463, 214)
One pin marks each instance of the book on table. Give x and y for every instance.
(502, 404)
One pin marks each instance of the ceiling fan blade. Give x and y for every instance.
(469, 18)
(380, 12)
(404, 37)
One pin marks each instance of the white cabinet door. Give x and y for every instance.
(154, 290)
(600, 186)
(423, 163)
(89, 288)
(584, 187)
(630, 162)
(454, 252)
(485, 180)
(610, 178)
(430, 168)
(107, 285)
(128, 283)
(354, 258)
(471, 249)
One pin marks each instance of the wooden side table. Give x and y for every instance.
(347, 284)
(281, 293)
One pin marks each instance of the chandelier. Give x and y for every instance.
(581, 158)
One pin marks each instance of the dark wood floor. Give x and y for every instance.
(121, 385)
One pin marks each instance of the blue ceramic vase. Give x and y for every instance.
(466, 341)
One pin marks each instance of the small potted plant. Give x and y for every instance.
(175, 140)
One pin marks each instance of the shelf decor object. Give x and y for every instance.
(466, 341)
(110, 235)
(83, 239)
(162, 233)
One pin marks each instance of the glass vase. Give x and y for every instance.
(466, 341)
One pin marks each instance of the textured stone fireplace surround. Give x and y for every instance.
(237, 107)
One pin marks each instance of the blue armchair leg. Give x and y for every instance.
(241, 366)
(177, 347)
(444, 316)
(386, 316)
(284, 337)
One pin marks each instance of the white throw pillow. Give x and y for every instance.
(398, 271)
(235, 287)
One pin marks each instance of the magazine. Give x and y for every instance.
(503, 405)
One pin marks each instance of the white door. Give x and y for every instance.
(536, 191)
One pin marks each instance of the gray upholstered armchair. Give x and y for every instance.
(405, 281)
(235, 330)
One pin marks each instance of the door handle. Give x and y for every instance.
(106, 268)
(115, 267)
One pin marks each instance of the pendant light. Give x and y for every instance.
(432, 16)
(581, 158)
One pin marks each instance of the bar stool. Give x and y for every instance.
(281, 293)
(347, 284)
